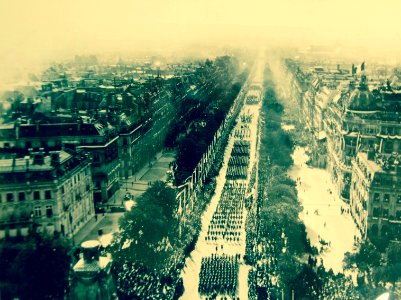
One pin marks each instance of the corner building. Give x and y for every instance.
(375, 196)
(50, 193)
(360, 120)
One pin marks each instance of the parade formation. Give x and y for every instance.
(222, 271)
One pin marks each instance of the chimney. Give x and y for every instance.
(79, 124)
(38, 157)
(27, 163)
(14, 163)
(90, 250)
(55, 158)
(396, 164)
(70, 146)
(17, 125)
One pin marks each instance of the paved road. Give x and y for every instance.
(204, 247)
(136, 185)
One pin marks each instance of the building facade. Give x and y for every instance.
(41, 192)
(346, 116)
(375, 196)
(98, 140)
(358, 119)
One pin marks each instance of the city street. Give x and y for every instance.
(322, 212)
(221, 247)
(155, 170)
(136, 185)
(200, 150)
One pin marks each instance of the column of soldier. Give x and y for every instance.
(242, 131)
(246, 117)
(219, 275)
(239, 160)
(227, 220)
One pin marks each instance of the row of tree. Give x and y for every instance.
(279, 208)
(149, 240)
(282, 241)
(202, 109)
(156, 235)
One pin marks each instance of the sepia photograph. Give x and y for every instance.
(200, 150)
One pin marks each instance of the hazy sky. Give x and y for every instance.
(31, 30)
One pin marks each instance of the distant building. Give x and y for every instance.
(119, 114)
(375, 197)
(128, 150)
(45, 193)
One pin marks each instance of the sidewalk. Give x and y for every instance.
(88, 227)
(322, 212)
(155, 170)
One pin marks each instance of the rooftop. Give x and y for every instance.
(29, 163)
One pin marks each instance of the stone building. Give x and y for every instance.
(347, 116)
(45, 193)
(98, 140)
(358, 119)
(375, 196)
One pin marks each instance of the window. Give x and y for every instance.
(49, 211)
(386, 198)
(398, 214)
(376, 212)
(36, 195)
(10, 197)
(37, 211)
(62, 189)
(385, 213)
(21, 196)
(48, 195)
(372, 129)
(399, 199)
(376, 197)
